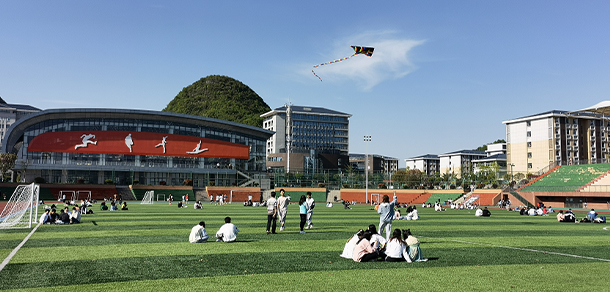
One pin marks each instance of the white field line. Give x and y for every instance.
(10, 256)
(524, 249)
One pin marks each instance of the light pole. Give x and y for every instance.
(367, 139)
(511, 174)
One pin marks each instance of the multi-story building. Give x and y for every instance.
(459, 162)
(10, 113)
(428, 164)
(308, 139)
(377, 163)
(496, 153)
(537, 142)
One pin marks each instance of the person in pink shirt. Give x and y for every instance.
(364, 252)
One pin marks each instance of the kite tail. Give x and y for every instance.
(331, 62)
(314, 73)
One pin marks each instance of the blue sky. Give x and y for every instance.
(443, 77)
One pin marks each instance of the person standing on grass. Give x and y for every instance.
(198, 233)
(303, 212)
(386, 215)
(271, 213)
(282, 208)
(227, 232)
(310, 205)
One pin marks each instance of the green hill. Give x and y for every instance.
(220, 97)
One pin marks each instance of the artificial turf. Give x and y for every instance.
(146, 248)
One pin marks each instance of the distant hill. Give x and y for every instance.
(220, 97)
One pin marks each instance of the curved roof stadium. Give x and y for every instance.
(148, 145)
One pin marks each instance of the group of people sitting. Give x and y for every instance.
(537, 211)
(50, 216)
(412, 214)
(369, 246)
(592, 217)
(226, 233)
(482, 212)
(113, 206)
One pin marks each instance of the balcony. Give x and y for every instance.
(557, 147)
(568, 126)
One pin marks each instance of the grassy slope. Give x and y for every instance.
(146, 248)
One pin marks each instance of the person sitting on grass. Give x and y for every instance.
(113, 207)
(198, 233)
(64, 218)
(54, 216)
(413, 215)
(46, 217)
(377, 239)
(397, 214)
(227, 232)
(478, 212)
(592, 215)
(569, 217)
(348, 250)
(486, 212)
(413, 248)
(363, 251)
(560, 216)
(396, 249)
(124, 206)
(75, 216)
(103, 206)
(532, 212)
(198, 205)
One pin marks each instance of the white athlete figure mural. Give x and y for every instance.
(129, 142)
(86, 140)
(197, 149)
(162, 143)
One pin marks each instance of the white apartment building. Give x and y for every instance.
(10, 113)
(458, 162)
(428, 164)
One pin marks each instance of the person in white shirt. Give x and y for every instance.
(45, 218)
(348, 250)
(478, 212)
(282, 208)
(75, 216)
(310, 204)
(376, 239)
(198, 233)
(227, 232)
(396, 249)
(271, 214)
(413, 215)
(531, 212)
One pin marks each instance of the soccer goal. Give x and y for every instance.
(148, 197)
(374, 198)
(160, 197)
(67, 195)
(243, 195)
(22, 208)
(83, 195)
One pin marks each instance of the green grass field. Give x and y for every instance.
(147, 249)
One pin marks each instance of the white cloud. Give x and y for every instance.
(390, 60)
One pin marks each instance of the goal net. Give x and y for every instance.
(148, 197)
(22, 208)
(160, 197)
(242, 195)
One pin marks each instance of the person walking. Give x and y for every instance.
(271, 213)
(282, 208)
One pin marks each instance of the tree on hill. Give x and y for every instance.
(220, 97)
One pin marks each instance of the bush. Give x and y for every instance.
(321, 185)
(80, 181)
(382, 186)
(345, 186)
(108, 181)
(162, 183)
(494, 186)
(135, 182)
(188, 182)
(39, 180)
(211, 183)
(303, 184)
(356, 186)
(452, 187)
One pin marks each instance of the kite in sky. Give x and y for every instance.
(368, 51)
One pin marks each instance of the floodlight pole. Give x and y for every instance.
(511, 173)
(367, 139)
